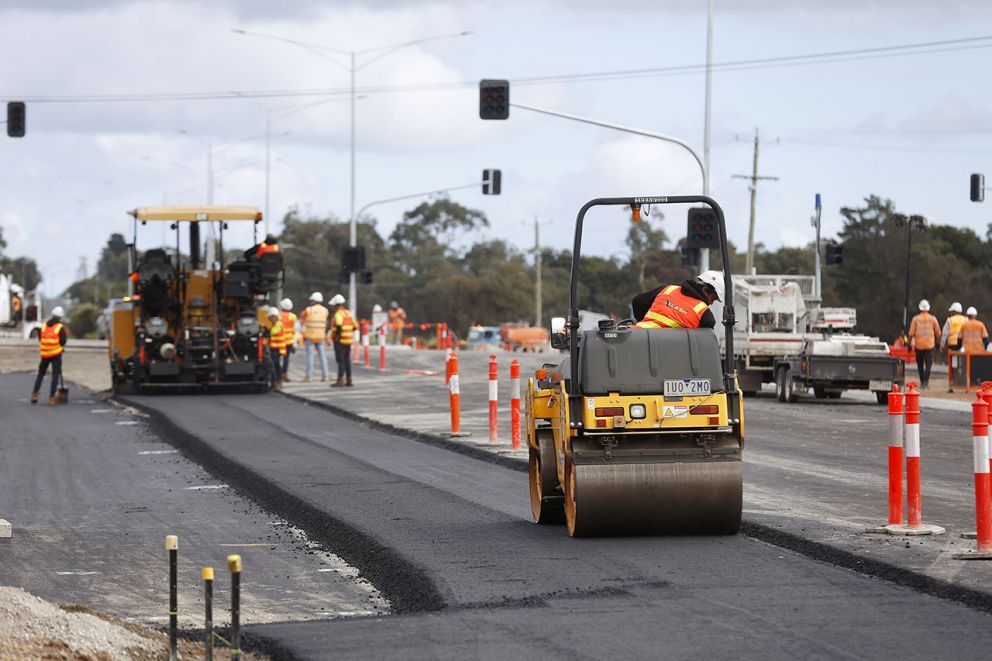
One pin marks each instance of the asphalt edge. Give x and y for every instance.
(820, 551)
(408, 588)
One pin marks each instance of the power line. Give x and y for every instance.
(827, 57)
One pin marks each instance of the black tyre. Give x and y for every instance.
(819, 392)
(834, 395)
(546, 500)
(882, 397)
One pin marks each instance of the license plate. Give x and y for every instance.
(876, 384)
(686, 387)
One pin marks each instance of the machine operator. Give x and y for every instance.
(680, 306)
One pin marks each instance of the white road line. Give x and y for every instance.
(126, 422)
(207, 486)
(159, 452)
(76, 573)
(100, 410)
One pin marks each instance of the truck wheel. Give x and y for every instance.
(784, 386)
(546, 501)
(881, 396)
(834, 395)
(819, 392)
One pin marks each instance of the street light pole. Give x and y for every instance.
(704, 254)
(352, 282)
(268, 165)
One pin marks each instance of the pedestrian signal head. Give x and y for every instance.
(924, 305)
(972, 312)
(955, 307)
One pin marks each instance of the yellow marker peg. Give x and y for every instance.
(171, 543)
(234, 564)
(207, 573)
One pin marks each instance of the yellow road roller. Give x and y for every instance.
(638, 431)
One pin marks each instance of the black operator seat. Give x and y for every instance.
(270, 266)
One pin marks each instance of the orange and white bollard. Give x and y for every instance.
(983, 491)
(454, 395)
(914, 500)
(515, 404)
(452, 361)
(895, 456)
(493, 399)
(382, 356)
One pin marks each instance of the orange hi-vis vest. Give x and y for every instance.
(264, 247)
(288, 321)
(673, 309)
(50, 345)
(925, 330)
(974, 334)
(314, 322)
(954, 325)
(276, 340)
(344, 327)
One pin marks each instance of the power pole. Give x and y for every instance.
(754, 178)
(704, 254)
(538, 303)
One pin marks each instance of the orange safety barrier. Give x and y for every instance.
(515, 404)
(454, 395)
(493, 399)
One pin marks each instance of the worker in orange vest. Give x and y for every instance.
(288, 320)
(397, 319)
(974, 335)
(950, 335)
(924, 335)
(270, 244)
(680, 306)
(342, 336)
(277, 346)
(314, 321)
(51, 346)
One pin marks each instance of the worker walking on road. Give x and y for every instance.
(974, 335)
(288, 320)
(52, 344)
(680, 306)
(314, 319)
(277, 346)
(924, 335)
(342, 335)
(397, 319)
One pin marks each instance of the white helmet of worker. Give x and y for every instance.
(286, 304)
(376, 308)
(317, 297)
(924, 305)
(955, 307)
(337, 299)
(972, 312)
(714, 279)
(58, 312)
(16, 289)
(273, 311)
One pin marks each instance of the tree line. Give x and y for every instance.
(431, 267)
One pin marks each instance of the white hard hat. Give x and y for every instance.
(317, 296)
(17, 289)
(925, 305)
(955, 307)
(273, 311)
(286, 304)
(972, 312)
(714, 279)
(376, 308)
(57, 311)
(337, 299)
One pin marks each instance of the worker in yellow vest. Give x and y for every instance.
(277, 346)
(924, 335)
(974, 335)
(52, 343)
(950, 336)
(288, 320)
(342, 335)
(314, 320)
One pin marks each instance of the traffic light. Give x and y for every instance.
(344, 277)
(15, 119)
(703, 230)
(491, 182)
(365, 277)
(353, 259)
(978, 188)
(494, 99)
(835, 253)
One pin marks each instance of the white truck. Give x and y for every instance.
(20, 312)
(783, 336)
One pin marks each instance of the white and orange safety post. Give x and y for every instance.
(493, 399)
(983, 494)
(895, 456)
(914, 501)
(454, 394)
(452, 360)
(515, 404)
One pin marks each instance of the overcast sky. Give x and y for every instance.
(909, 127)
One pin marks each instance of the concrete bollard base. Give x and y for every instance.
(974, 555)
(457, 434)
(5, 529)
(923, 529)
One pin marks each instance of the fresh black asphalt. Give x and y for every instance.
(448, 540)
